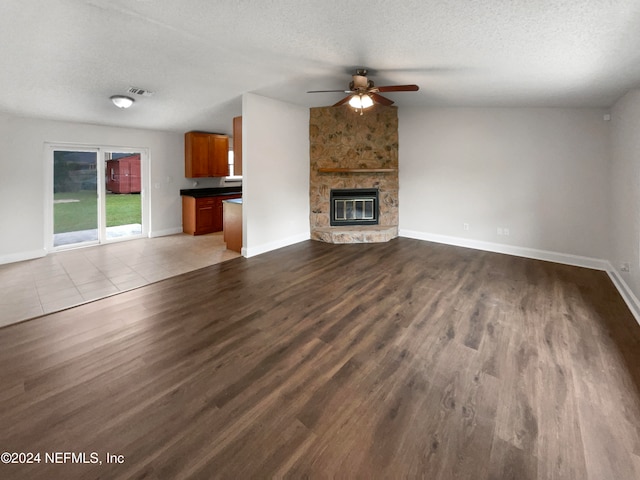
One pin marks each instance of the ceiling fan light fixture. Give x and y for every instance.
(122, 101)
(355, 102)
(360, 101)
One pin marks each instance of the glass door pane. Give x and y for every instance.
(75, 197)
(123, 206)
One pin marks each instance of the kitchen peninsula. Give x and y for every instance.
(233, 224)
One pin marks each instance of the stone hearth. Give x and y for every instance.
(349, 150)
(368, 234)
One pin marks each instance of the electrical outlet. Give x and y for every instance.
(505, 231)
(500, 231)
(465, 226)
(624, 267)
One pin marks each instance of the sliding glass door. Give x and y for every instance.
(97, 195)
(75, 197)
(122, 199)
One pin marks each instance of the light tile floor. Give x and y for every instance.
(68, 278)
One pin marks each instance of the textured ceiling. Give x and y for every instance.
(62, 59)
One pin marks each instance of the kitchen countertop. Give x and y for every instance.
(233, 200)
(210, 192)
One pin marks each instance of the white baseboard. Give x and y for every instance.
(267, 247)
(564, 258)
(164, 233)
(594, 263)
(625, 292)
(19, 257)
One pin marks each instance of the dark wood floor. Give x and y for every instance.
(399, 360)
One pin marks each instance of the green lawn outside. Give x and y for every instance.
(122, 209)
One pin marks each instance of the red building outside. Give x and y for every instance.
(123, 174)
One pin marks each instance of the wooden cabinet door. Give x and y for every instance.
(217, 215)
(205, 215)
(218, 155)
(196, 155)
(237, 146)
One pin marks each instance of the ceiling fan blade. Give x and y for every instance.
(327, 91)
(398, 88)
(380, 99)
(342, 102)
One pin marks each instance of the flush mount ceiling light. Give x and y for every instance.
(122, 101)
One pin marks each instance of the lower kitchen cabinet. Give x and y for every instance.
(202, 215)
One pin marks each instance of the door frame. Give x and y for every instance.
(50, 147)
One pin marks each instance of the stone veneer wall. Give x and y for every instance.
(341, 138)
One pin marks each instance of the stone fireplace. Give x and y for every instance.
(353, 155)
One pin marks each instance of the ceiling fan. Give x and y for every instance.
(364, 94)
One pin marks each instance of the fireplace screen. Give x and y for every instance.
(354, 207)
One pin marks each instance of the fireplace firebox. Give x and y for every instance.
(357, 206)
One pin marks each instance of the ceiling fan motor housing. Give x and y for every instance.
(360, 82)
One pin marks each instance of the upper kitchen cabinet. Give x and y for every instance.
(206, 155)
(237, 146)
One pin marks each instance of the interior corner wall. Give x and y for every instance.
(22, 159)
(625, 190)
(540, 173)
(275, 167)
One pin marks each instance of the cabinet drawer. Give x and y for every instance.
(202, 202)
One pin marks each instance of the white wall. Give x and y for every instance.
(543, 173)
(540, 172)
(22, 161)
(625, 190)
(275, 163)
